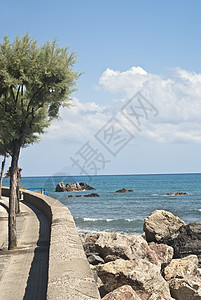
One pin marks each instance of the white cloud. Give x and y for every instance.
(177, 99)
(78, 123)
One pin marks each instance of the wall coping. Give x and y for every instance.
(69, 273)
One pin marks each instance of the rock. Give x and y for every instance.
(124, 191)
(185, 241)
(89, 238)
(95, 259)
(125, 246)
(88, 195)
(60, 187)
(187, 288)
(182, 267)
(111, 258)
(177, 194)
(161, 224)
(124, 292)
(92, 195)
(143, 276)
(86, 186)
(88, 242)
(164, 253)
(73, 187)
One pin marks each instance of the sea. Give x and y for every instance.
(124, 212)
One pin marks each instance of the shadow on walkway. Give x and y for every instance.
(36, 288)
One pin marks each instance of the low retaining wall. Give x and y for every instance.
(69, 274)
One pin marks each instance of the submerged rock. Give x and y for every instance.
(124, 191)
(160, 224)
(88, 195)
(177, 194)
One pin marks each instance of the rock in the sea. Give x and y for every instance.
(124, 292)
(164, 252)
(92, 195)
(73, 187)
(60, 187)
(88, 195)
(124, 191)
(187, 288)
(143, 276)
(177, 194)
(160, 224)
(86, 186)
(125, 246)
(185, 241)
(182, 267)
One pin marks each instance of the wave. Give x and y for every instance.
(104, 220)
(199, 209)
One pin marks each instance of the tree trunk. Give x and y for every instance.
(17, 206)
(2, 170)
(12, 235)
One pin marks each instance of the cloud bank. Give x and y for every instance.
(177, 100)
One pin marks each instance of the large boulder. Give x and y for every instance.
(179, 268)
(160, 224)
(185, 241)
(164, 252)
(125, 246)
(143, 276)
(124, 292)
(186, 288)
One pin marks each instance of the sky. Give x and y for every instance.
(137, 108)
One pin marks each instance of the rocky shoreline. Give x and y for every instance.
(161, 265)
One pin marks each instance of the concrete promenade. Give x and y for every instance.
(24, 271)
(49, 261)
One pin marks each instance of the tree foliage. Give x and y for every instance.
(35, 81)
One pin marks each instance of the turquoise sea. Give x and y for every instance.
(125, 212)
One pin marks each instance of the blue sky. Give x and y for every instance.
(123, 47)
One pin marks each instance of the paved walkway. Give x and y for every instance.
(24, 271)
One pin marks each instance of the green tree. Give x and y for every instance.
(35, 81)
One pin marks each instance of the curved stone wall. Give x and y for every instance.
(69, 274)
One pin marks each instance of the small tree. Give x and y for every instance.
(35, 81)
